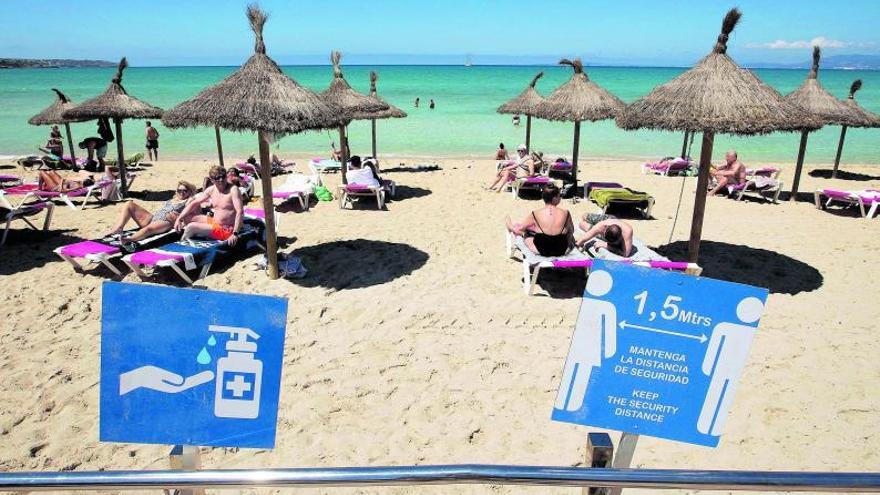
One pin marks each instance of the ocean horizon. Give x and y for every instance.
(463, 124)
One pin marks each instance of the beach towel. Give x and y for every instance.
(603, 197)
(641, 252)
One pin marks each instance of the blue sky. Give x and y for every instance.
(638, 32)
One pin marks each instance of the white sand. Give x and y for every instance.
(438, 357)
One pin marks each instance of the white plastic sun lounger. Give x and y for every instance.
(867, 200)
(21, 212)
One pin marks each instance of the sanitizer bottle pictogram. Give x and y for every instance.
(239, 375)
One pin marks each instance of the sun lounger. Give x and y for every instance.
(867, 200)
(764, 185)
(21, 212)
(532, 263)
(101, 251)
(668, 167)
(533, 183)
(349, 191)
(771, 172)
(324, 165)
(8, 180)
(614, 194)
(31, 190)
(193, 254)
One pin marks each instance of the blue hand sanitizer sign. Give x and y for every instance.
(657, 353)
(190, 367)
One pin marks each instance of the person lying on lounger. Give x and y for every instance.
(51, 180)
(549, 230)
(523, 166)
(161, 221)
(225, 200)
(607, 232)
(732, 172)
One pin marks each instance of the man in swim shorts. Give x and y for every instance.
(225, 221)
(732, 172)
(152, 136)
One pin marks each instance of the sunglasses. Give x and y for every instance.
(183, 190)
(217, 177)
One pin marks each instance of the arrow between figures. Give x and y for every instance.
(702, 338)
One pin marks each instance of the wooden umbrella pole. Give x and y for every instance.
(574, 154)
(800, 165)
(219, 145)
(839, 152)
(268, 206)
(73, 154)
(343, 152)
(529, 132)
(700, 198)
(120, 156)
(373, 125)
(684, 145)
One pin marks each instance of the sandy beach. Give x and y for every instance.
(436, 356)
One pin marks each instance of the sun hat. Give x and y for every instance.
(521, 147)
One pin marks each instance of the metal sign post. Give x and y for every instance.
(600, 452)
(185, 458)
(626, 448)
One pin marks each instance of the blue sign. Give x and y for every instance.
(657, 353)
(190, 367)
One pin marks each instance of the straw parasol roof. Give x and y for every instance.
(391, 113)
(114, 102)
(816, 100)
(352, 103)
(579, 99)
(53, 113)
(258, 96)
(527, 102)
(716, 95)
(864, 117)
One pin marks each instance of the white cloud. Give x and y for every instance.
(820, 41)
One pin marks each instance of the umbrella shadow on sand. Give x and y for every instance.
(779, 273)
(340, 265)
(412, 168)
(824, 173)
(26, 249)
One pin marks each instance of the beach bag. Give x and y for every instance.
(323, 194)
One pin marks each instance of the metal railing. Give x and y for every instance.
(446, 475)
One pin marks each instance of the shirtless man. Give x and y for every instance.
(225, 201)
(732, 172)
(152, 136)
(617, 235)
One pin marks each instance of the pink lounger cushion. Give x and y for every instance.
(869, 196)
(560, 166)
(85, 248)
(256, 213)
(357, 188)
(536, 180)
(286, 194)
(676, 164)
(666, 265)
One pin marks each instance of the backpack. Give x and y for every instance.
(323, 194)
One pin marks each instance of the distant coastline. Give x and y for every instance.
(51, 63)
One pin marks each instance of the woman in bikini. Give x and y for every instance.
(52, 181)
(161, 221)
(548, 231)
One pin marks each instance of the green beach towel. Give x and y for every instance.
(323, 194)
(604, 196)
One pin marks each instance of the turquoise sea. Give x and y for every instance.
(464, 122)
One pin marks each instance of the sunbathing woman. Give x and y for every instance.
(51, 180)
(549, 231)
(523, 166)
(154, 223)
(617, 236)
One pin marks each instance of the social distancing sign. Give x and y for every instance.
(657, 353)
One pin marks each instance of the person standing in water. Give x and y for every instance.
(417, 102)
(152, 136)
(431, 105)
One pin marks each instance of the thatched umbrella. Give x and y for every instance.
(351, 102)
(257, 97)
(52, 115)
(115, 102)
(391, 113)
(867, 119)
(525, 103)
(715, 96)
(577, 100)
(823, 106)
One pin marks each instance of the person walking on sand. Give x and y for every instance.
(417, 102)
(431, 105)
(152, 136)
